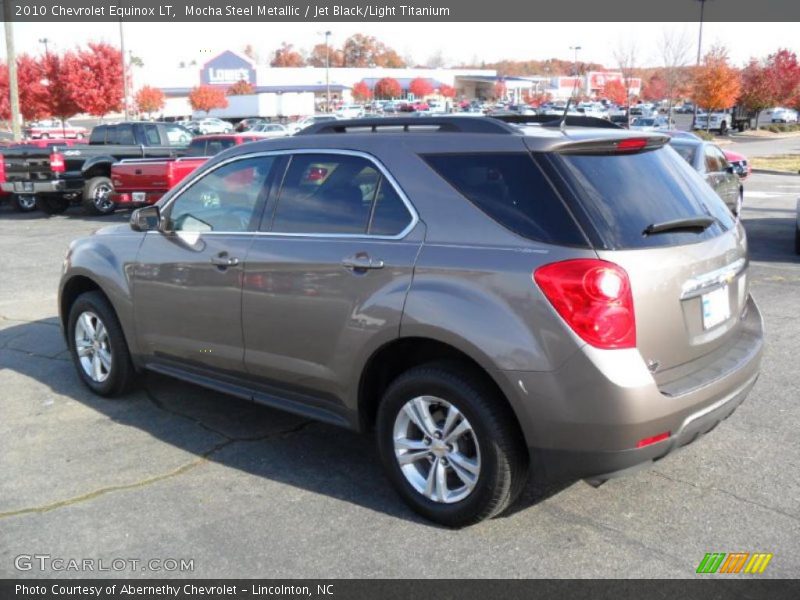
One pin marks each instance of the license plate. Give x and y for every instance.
(716, 307)
(138, 196)
(23, 186)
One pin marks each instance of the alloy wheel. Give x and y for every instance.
(93, 347)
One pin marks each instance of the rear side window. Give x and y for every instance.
(622, 194)
(98, 135)
(125, 135)
(512, 190)
(217, 146)
(197, 148)
(111, 135)
(151, 135)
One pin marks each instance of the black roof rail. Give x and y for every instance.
(454, 124)
(555, 121)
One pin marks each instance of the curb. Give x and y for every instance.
(774, 172)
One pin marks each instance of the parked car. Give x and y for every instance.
(709, 160)
(741, 166)
(782, 115)
(54, 128)
(138, 182)
(310, 120)
(268, 130)
(248, 124)
(59, 175)
(350, 111)
(651, 124)
(434, 287)
(212, 125)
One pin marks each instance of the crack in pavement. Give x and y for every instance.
(27, 353)
(227, 441)
(727, 493)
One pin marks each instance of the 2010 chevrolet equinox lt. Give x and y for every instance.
(490, 298)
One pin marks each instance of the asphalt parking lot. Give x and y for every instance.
(175, 471)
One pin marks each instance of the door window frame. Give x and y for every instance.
(276, 183)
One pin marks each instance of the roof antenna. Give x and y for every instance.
(563, 123)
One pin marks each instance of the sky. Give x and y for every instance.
(163, 45)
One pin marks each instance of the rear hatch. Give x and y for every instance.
(649, 212)
(24, 165)
(141, 175)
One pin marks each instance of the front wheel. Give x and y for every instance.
(23, 202)
(97, 196)
(98, 346)
(450, 446)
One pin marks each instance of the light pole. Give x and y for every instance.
(327, 72)
(124, 73)
(699, 51)
(12, 75)
(44, 41)
(575, 48)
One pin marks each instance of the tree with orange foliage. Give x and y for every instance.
(206, 98)
(287, 56)
(241, 88)
(447, 91)
(420, 87)
(615, 92)
(321, 55)
(149, 100)
(361, 91)
(716, 83)
(388, 87)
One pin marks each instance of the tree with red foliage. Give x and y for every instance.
(716, 83)
(420, 87)
(615, 91)
(64, 86)
(206, 98)
(33, 103)
(97, 79)
(361, 91)
(5, 103)
(655, 89)
(388, 87)
(447, 91)
(500, 89)
(785, 70)
(760, 90)
(241, 88)
(149, 100)
(287, 56)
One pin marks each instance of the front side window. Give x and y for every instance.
(151, 135)
(177, 135)
(125, 135)
(335, 194)
(226, 199)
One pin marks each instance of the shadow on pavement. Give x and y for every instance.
(255, 439)
(772, 239)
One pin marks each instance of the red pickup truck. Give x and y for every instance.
(144, 181)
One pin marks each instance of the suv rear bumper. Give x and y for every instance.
(588, 418)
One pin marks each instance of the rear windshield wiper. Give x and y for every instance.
(696, 224)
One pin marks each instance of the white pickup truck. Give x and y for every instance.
(720, 121)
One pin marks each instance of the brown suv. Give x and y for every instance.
(477, 292)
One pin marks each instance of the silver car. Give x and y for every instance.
(494, 301)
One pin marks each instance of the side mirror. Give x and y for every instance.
(147, 218)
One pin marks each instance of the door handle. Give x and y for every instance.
(223, 260)
(361, 263)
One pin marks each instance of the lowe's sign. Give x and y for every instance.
(227, 69)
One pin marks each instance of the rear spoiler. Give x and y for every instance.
(624, 145)
(555, 121)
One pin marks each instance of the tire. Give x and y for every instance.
(110, 355)
(52, 205)
(493, 445)
(797, 240)
(23, 202)
(723, 128)
(97, 196)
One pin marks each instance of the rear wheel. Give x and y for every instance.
(97, 196)
(450, 446)
(98, 346)
(23, 202)
(52, 205)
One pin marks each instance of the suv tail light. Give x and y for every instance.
(2, 169)
(57, 162)
(594, 298)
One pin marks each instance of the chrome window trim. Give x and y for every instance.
(189, 181)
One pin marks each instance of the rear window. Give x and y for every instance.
(512, 190)
(622, 194)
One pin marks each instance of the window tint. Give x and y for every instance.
(686, 151)
(326, 193)
(225, 199)
(712, 160)
(177, 135)
(217, 146)
(623, 194)
(111, 135)
(125, 135)
(197, 148)
(390, 216)
(512, 190)
(151, 135)
(98, 135)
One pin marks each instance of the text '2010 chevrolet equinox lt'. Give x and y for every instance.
(487, 297)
